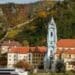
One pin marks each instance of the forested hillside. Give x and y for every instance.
(34, 32)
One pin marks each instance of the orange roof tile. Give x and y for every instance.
(32, 49)
(41, 49)
(66, 43)
(22, 50)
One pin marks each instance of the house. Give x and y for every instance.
(66, 49)
(33, 55)
(38, 56)
(7, 44)
(16, 54)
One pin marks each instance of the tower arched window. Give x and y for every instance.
(51, 34)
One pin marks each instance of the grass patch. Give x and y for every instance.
(50, 73)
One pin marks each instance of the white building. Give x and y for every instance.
(18, 53)
(66, 49)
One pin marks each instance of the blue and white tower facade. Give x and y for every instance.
(51, 37)
(51, 43)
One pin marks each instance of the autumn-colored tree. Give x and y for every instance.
(42, 13)
(25, 43)
(13, 33)
(35, 33)
(23, 64)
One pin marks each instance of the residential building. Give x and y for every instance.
(38, 56)
(32, 55)
(66, 49)
(35, 55)
(16, 54)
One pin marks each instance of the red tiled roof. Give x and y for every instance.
(42, 49)
(27, 49)
(32, 49)
(66, 43)
(19, 50)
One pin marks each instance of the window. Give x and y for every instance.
(15, 59)
(29, 56)
(9, 59)
(69, 56)
(9, 55)
(51, 34)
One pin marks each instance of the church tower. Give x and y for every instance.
(51, 37)
(51, 44)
